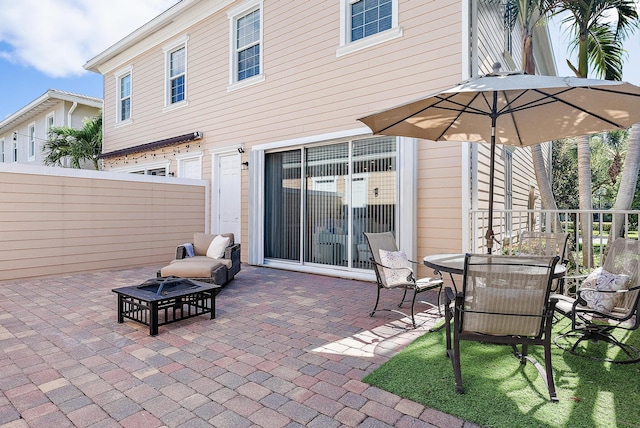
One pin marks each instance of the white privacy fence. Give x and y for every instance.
(508, 224)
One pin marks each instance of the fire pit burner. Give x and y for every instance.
(165, 286)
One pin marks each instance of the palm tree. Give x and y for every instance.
(628, 181)
(78, 145)
(530, 13)
(599, 41)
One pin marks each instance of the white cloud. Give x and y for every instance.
(57, 37)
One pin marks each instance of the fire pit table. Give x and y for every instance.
(162, 301)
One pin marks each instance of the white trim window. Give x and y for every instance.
(32, 141)
(155, 168)
(50, 122)
(365, 23)
(246, 44)
(123, 95)
(508, 187)
(176, 73)
(2, 150)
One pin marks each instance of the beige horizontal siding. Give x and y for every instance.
(59, 224)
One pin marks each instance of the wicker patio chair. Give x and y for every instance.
(504, 300)
(394, 271)
(608, 299)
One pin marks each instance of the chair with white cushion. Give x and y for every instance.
(394, 271)
(209, 258)
(607, 300)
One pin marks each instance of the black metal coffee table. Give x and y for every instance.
(161, 301)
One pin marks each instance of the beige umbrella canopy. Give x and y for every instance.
(515, 109)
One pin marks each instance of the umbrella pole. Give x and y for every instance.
(492, 161)
(489, 235)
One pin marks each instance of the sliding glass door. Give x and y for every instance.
(319, 200)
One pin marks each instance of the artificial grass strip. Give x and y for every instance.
(500, 392)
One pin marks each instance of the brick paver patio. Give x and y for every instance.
(286, 349)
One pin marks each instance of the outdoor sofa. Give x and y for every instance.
(196, 260)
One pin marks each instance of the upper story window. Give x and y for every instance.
(246, 44)
(510, 17)
(32, 141)
(2, 150)
(366, 23)
(176, 73)
(50, 122)
(123, 85)
(369, 17)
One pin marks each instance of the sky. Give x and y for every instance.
(45, 43)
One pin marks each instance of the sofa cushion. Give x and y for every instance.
(217, 247)
(201, 242)
(193, 267)
(204, 259)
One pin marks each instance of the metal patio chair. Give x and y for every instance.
(395, 272)
(609, 299)
(545, 244)
(504, 300)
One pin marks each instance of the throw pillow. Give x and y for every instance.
(397, 267)
(601, 280)
(217, 247)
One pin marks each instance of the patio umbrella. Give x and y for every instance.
(515, 109)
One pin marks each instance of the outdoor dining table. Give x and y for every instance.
(453, 264)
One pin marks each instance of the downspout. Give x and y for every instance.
(467, 170)
(70, 114)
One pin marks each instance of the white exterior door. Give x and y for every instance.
(190, 168)
(227, 203)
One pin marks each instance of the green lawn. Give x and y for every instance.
(499, 392)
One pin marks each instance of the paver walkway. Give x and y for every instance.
(286, 349)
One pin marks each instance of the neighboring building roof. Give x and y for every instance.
(44, 103)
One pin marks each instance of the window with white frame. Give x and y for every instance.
(508, 188)
(367, 22)
(176, 73)
(2, 150)
(162, 172)
(32, 141)
(510, 16)
(246, 42)
(156, 168)
(123, 85)
(50, 122)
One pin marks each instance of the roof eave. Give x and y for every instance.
(141, 33)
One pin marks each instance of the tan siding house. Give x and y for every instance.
(23, 133)
(261, 97)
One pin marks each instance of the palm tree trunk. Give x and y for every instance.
(542, 178)
(628, 182)
(544, 186)
(584, 185)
